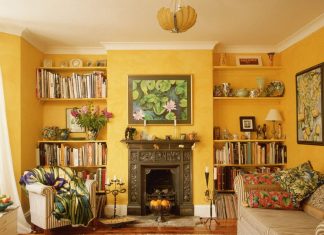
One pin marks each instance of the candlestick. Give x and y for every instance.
(144, 122)
(175, 122)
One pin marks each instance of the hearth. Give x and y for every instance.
(160, 169)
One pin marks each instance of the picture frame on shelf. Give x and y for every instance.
(71, 122)
(160, 99)
(247, 124)
(246, 60)
(310, 105)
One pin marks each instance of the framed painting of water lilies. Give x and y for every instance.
(309, 99)
(159, 99)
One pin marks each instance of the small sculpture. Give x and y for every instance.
(130, 133)
(264, 130)
(259, 132)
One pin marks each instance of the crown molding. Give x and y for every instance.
(184, 45)
(76, 50)
(33, 40)
(10, 28)
(303, 32)
(244, 49)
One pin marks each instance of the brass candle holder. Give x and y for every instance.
(116, 189)
(211, 196)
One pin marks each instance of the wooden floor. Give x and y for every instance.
(225, 227)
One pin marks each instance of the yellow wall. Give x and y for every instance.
(31, 109)
(124, 63)
(18, 61)
(296, 58)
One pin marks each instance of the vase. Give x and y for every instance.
(92, 134)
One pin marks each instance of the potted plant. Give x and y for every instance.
(91, 118)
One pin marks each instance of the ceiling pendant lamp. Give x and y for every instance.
(179, 19)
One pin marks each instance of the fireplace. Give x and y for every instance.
(160, 183)
(160, 169)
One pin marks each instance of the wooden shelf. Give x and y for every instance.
(72, 141)
(247, 67)
(225, 191)
(68, 99)
(251, 140)
(75, 68)
(100, 191)
(251, 165)
(94, 166)
(248, 98)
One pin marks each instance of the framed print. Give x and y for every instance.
(71, 122)
(159, 99)
(245, 60)
(309, 101)
(247, 123)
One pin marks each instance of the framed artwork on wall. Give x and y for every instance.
(160, 99)
(71, 122)
(245, 60)
(309, 101)
(247, 123)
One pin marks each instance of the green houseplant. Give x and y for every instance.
(91, 118)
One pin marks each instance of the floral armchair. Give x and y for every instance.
(56, 196)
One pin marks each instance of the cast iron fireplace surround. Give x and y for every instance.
(147, 156)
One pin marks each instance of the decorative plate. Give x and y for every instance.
(75, 63)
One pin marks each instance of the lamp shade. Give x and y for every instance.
(273, 115)
(178, 21)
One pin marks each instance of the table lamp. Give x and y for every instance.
(274, 115)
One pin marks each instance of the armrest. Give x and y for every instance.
(39, 188)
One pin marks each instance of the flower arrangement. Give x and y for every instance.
(90, 117)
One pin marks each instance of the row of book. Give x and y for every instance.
(226, 206)
(53, 85)
(90, 154)
(99, 175)
(224, 176)
(251, 153)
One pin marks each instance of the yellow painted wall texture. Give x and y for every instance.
(31, 108)
(18, 60)
(296, 58)
(124, 63)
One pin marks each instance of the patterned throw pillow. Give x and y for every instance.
(272, 200)
(301, 181)
(317, 198)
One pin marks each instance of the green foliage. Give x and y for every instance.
(152, 96)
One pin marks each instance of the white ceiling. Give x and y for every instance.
(87, 23)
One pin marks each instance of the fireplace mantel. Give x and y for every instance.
(148, 154)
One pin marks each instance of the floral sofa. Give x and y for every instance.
(289, 202)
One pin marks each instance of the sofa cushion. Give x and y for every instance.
(271, 200)
(301, 181)
(267, 221)
(314, 205)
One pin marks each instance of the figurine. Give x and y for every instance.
(259, 132)
(129, 133)
(264, 130)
